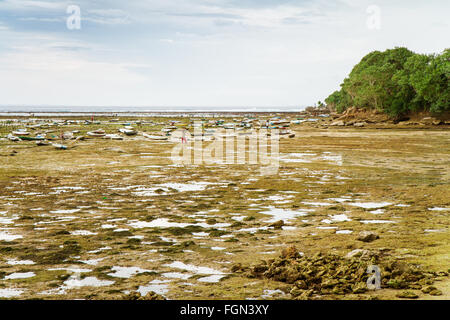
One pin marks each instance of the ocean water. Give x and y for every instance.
(10, 110)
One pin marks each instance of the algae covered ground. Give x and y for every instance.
(109, 219)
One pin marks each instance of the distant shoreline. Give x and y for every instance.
(143, 113)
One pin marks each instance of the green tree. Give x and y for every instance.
(396, 81)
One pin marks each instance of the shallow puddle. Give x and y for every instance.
(10, 293)
(370, 205)
(86, 282)
(126, 272)
(283, 214)
(20, 275)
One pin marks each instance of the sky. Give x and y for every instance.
(220, 53)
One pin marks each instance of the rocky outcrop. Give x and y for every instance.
(368, 236)
(331, 274)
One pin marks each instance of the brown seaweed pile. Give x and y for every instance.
(330, 274)
(149, 296)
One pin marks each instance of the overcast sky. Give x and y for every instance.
(201, 52)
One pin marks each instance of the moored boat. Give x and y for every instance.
(128, 132)
(154, 137)
(97, 133)
(13, 138)
(59, 146)
(42, 143)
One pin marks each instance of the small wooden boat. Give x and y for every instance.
(155, 137)
(59, 146)
(13, 138)
(229, 126)
(37, 138)
(113, 137)
(42, 143)
(128, 132)
(97, 133)
(20, 132)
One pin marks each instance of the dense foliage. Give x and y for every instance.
(397, 82)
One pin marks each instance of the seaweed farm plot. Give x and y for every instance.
(116, 219)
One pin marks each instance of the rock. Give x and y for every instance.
(432, 291)
(407, 295)
(339, 123)
(290, 253)
(114, 150)
(301, 284)
(295, 292)
(237, 268)
(367, 236)
(430, 121)
(359, 288)
(307, 294)
(153, 296)
(149, 296)
(428, 289)
(278, 224)
(360, 124)
(356, 253)
(435, 292)
(415, 286)
(397, 283)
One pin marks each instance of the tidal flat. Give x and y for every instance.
(107, 219)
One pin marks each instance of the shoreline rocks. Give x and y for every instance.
(368, 236)
(331, 274)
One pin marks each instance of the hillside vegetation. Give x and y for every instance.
(398, 82)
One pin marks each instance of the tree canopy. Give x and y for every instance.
(397, 82)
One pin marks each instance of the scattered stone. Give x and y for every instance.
(278, 224)
(236, 268)
(331, 274)
(435, 292)
(432, 291)
(149, 296)
(360, 124)
(339, 123)
(407, 295)
(356, 253)
(431, 121)
(368, 236)
(360, 288)
(398, 283)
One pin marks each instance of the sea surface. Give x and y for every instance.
(145, 109)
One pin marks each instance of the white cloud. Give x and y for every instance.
(64, 78)
(31, 5)
(220, 53)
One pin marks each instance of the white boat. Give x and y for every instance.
(20, 132)
(113, 137)
(59, 146)
(229, 126)
(13, 138)
(155, 137)
(128, 132)
(42, 143)
(97, 133)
